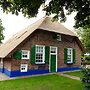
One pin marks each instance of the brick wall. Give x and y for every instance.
(40, 37)
(7, 64)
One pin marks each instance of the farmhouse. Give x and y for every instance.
(43, 47)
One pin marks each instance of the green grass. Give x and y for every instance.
(75, 73)
(47, 82)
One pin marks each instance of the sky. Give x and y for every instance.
(13, 23)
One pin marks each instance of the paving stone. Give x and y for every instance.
(3, 77)
(69, 76)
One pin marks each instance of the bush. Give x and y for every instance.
(85, 60)
(86, 72)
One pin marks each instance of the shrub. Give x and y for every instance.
(86, 72)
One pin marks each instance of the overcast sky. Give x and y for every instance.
(13, 23)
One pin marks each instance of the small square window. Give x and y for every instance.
(25, 54)
(53, 50)
(24, 67)
(58, 37)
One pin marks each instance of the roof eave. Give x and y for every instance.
(79, 43)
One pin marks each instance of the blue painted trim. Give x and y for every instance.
(2, 70)
(16, 73)
(68, 69)
(7, 72)
(29, 72)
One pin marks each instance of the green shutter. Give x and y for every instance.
(65, 55)
(47, 54)
(74, 56)
(32, 55)
(54, 36)
(17, 55)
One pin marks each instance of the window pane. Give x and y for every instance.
(25, 54)
(24, 67)
(58, 37)
(69, 55)
(39, 54)
(69, 51)
(53, 50)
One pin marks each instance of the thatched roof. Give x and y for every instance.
(45, 24)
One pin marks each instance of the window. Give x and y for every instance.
(40, 51)
(69, 55)
(53, 50)
(58, 37)
(24, 67)
(25, 54)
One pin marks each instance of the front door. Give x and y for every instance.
(53, 59)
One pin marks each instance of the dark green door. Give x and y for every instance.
(53, 59)
(53, 63)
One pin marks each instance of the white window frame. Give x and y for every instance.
(58, 37)
(43, 59)
(53, 49)
(28, 54)
(70, 54)
(23, 66)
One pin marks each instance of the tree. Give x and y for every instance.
(84, 34)
(30, 8)
(86, 72)
(1, 32)
(86, 78)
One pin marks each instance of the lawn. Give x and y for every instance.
(46, 82)
(75, 73)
